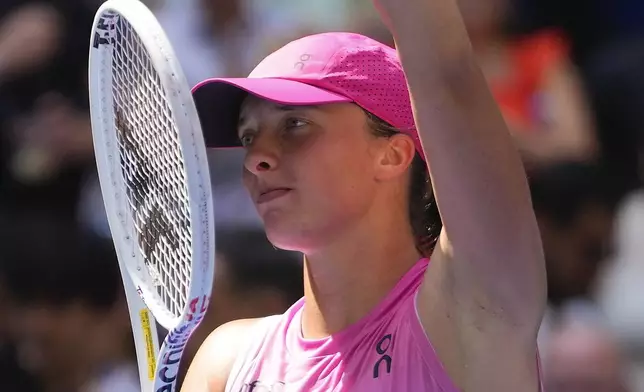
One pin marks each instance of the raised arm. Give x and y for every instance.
(486, 282)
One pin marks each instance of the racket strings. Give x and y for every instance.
(152, 166)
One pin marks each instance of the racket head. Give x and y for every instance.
(151, 161)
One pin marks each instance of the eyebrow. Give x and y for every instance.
(282, 108)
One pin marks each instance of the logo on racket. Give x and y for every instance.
(156, 231)
(105, 30)
(176, 342)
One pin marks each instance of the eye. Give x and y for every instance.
(246, 139)
(294, 123)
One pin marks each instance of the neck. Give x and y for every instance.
(346, 280)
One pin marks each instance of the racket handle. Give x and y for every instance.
(144, 329)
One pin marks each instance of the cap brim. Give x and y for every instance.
(218, 102)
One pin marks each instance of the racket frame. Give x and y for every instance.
(137, 281)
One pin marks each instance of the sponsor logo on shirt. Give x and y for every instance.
(384, 362)
(259, 386)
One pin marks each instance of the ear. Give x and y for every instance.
(395, 157)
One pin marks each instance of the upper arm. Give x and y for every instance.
(484, 291)
(490, 251)
(213, 363)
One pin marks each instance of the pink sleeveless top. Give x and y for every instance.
(387, 350)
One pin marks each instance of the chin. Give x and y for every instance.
(285, 240)
(288, 235)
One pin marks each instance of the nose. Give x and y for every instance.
(262, 156)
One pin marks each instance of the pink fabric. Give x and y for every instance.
(326, 68)
(385, 351)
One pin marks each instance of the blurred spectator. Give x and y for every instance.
(535, 85)
(621, 290)
(591, 25)
(616, 80)
(70, 317)
(30, 33)
(253, 279)
(14, 377)
(607, 40)
(584, 358)
(575, 207)
(220, 38)
(45, 140)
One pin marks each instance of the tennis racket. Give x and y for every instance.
(155, 183)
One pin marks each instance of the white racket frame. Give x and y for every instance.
(157, 373)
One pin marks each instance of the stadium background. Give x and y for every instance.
(569, 77)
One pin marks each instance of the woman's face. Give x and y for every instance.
(311, 171)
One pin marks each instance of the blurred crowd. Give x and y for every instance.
(568, 77)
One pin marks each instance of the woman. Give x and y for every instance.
(537, 88)
(336, 168)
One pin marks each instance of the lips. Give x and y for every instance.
(270, 194)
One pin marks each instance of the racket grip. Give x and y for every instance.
(144, 329)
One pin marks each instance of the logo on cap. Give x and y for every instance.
(299, 65)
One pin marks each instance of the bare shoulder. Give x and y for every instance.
(212, 365)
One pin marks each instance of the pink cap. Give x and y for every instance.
(317, 69)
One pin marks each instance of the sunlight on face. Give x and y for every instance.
(309, 170)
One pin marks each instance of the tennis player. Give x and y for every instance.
(336, 157)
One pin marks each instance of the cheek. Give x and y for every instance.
(339, 180)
